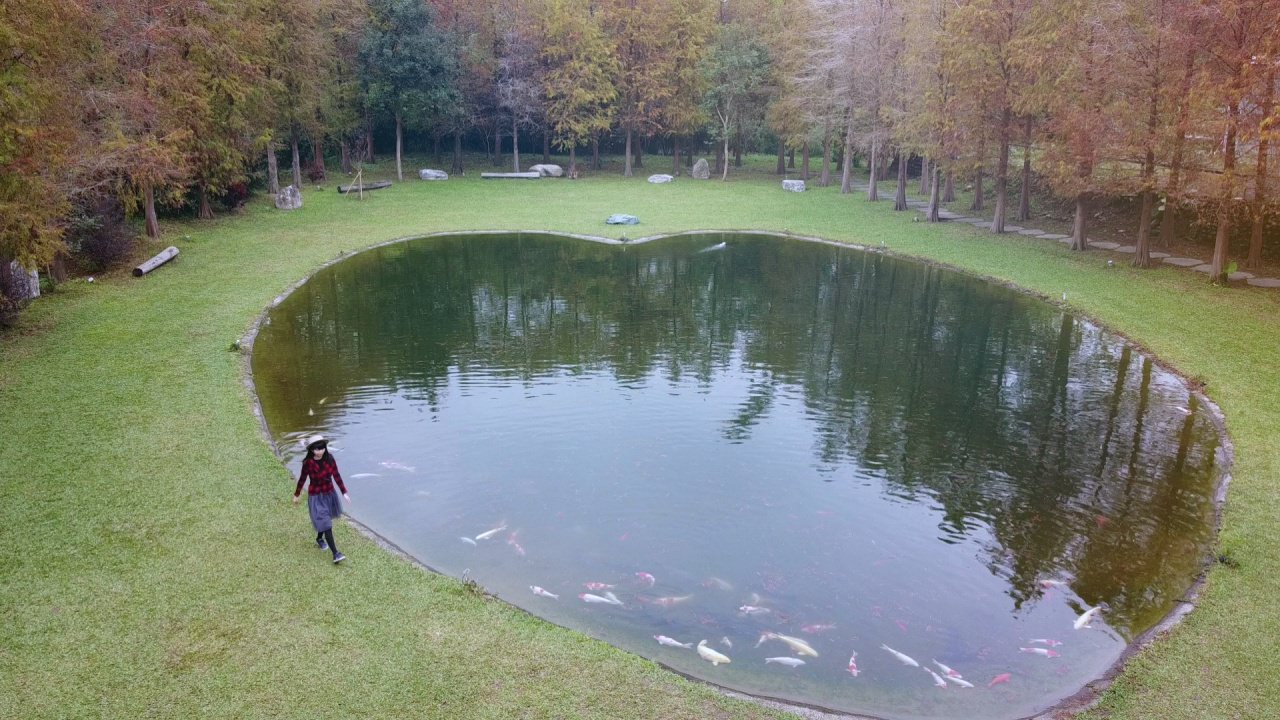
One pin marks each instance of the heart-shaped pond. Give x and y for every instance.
(790, 450)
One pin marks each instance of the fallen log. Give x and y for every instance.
(511, 176)
(165, 256)
(344, 189)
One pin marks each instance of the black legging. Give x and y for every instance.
(327, 536)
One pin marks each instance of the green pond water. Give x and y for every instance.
(865, 451)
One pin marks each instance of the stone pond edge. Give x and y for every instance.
(1087, 697)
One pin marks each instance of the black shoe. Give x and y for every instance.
(338, 557)
(322, 544)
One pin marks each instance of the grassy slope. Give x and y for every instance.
(154, 566)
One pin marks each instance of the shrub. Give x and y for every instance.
(98, 235)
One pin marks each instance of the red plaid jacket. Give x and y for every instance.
(323, 474)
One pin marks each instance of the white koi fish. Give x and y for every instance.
(359, 476)
(613, 599)
(1043, 652)
(798, 646)
(710, 655)
(490, 533)
(1087, 617)
(543, 593)
(1053, 583)
(947, 671)
(960, 681)
(668, 601)
(725, 641)
(589, 598)
(467, 540)
(323, 400)
(754, 610)
(1045, 641)
(904, 659)
(713, 248)
(672, 642)
(853, 664)
(393, 465)
(788, 661)
(937, 679)
(717, 583)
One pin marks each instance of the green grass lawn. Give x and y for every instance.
(153, 565)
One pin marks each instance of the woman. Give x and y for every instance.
(322, 500)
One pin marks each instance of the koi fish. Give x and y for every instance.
(717, 583)
(904, 659)
(947, 671)
(937, 679)
(710, 655)
(323, 400)
(754, 610)
(511, 540)
(467, 540)
(788, 661)
(960, 681)
(543, 593)
(814, 629)
(1045, 641)
(1087, 617)
(725, 641)
(1043, 652)
(393, 465)
(668, 601)
(1052, 583)
(798, 646)
(645, 579)
(853, 665)
(361, 476)
(597, 586)
(589, 598)
(1001, 678)
(490, 533)
(713, 248)
(672, 642)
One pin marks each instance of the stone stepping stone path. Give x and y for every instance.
(1264, 282)
(1104, 245)
(1183, 262)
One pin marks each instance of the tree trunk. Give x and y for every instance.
(900, 199)
(1168, 219)
(737, 151)
(721, 156)
(791, 159)
(1079, 229)
(824, 180)
(846, 162)
(546, 148)
(873, 186)
(399, 148)
(205, 212)
(949, 187)
(435, 149)
(149, 210)
(639, 152)
(1024, 196)
(1260, 182)
(573, 161)
(782, 158)
(368, 142)
(297, 164)
(595, 153)
(925, 176)
(273, 169)
(1142, 249)
(457, 166)
(935, 193)
(497, 145)
(344, 153)
(724, 172)
(804, 162)
(626, 161)
(977, 204)
(515, 145)
(1218, 265)
(317, 160)
(1002, 174)
(675, 156)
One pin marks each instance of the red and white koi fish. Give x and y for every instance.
(815, 629)
(672, 642)
(1043, 652)
(947, 671)
(543, 593)
(960, 681)
(1045, 641)
(710, 655)
(754, 610)
(490, 533)
(596, 586)
(1087, 617)
(853, 664)
(904, 659)
(645, 579)
(1001, 678)
(511, 540)
(788, 661)
(717, 583)
(937, 679)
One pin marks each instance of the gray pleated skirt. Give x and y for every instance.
(324, 508)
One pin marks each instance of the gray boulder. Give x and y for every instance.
(620, 219)
(793, 185)
(701, 170)
(289, 198)
(659, 179)
(546, 170)
(429, 174)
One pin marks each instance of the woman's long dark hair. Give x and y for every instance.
(326, 458)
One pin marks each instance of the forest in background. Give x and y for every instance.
(110, 109)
